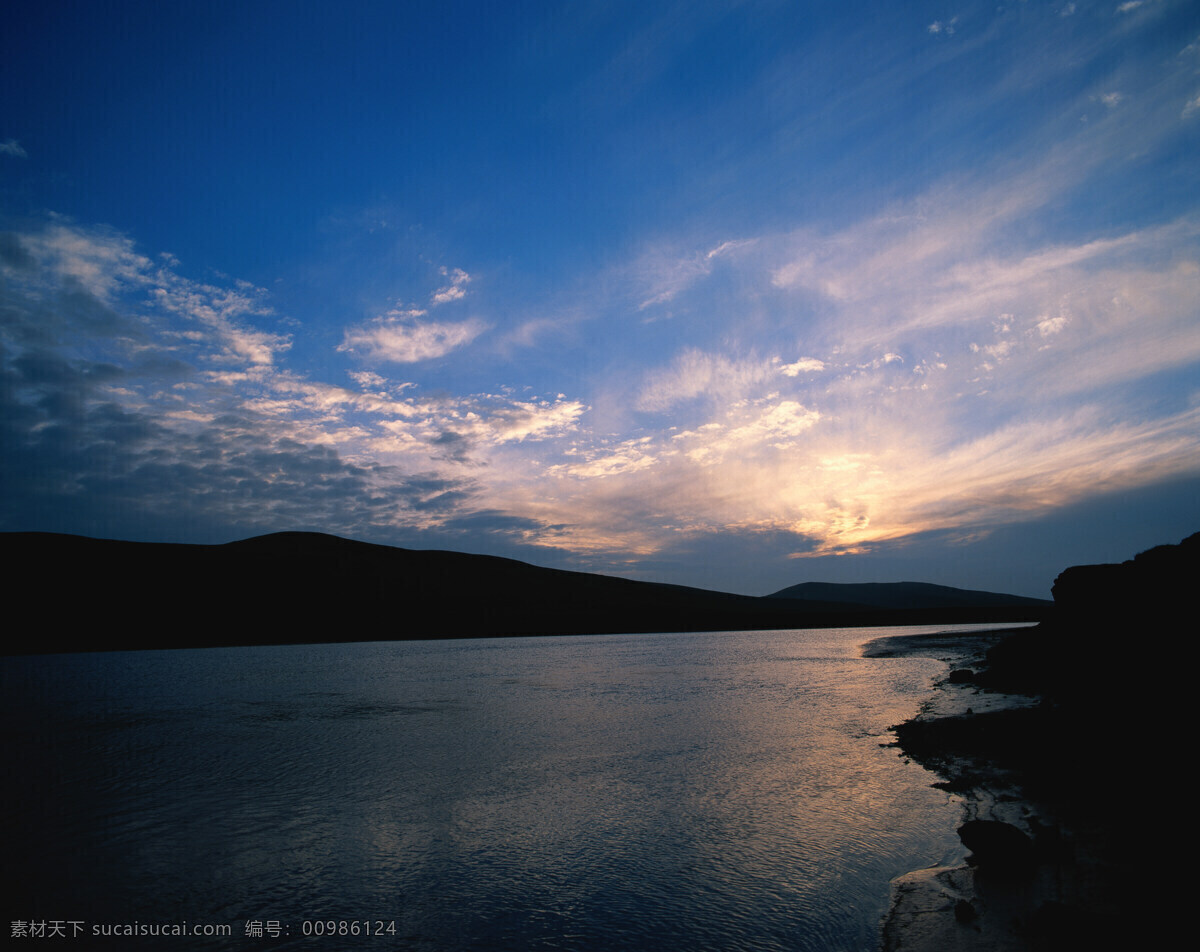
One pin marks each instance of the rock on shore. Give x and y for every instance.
(1053, 738)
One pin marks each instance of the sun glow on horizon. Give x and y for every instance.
(650, 312)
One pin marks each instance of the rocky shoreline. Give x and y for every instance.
(1022, 872)
(1053, 736)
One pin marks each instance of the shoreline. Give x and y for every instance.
(1044, 865)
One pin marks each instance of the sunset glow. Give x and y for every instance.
(711, 293)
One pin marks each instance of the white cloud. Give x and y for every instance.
(803, 365)
(695, 373)
(861, 454)
(667, 273)
(851, 448)
(216, 321)
(1052, 325)
(221, 309)
(447, 294)
(854, 479)
(517, 421)
(725, 247)
(774, 425)
(629, 456)
(365, 378)
(454, 291)
(403, 341)
(13, 147)
(102, 262)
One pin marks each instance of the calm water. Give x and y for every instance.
(693, 791)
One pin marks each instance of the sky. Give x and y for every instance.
(726, 294)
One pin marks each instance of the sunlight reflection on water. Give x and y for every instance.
(711, 791)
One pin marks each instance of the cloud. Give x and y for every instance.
(498, 419)
(135, 402)
(402, 340)
(775, 425)
(100, 271)
(13, 147)
(221, 309)
(665, 274)
(695, 373)
(1052, 325)
(853, 478)
(963, 381)
(628, 456)
(101, 449)
(100, 261)
(365, 378)
(803, 365)
(987, 330)
(977, 368)
(454, 291)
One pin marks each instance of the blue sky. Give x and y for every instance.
(728, 294)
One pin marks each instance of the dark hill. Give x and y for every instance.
(907, 595)
(1087, 766)
(299, 587)
(1116, 632)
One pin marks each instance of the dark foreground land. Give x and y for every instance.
(1055, 738)
(297, 587)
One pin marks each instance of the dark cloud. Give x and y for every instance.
(84, 313)
(95, 440)
(452, 447)
(13, 253)
(438, 495)
(491, 521)
(99, 468)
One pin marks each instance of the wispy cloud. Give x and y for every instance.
(401, 339)
(666, 273)
(803, 365)
(111, 359)
(954, 290)
(695, 373)
(456, 290)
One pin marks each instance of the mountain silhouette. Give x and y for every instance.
(305, 587)
(905, 595)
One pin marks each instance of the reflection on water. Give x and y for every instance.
(707, 791)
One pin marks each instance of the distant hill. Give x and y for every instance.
(303, 587)
(906, 596)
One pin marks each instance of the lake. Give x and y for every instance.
(719, 790)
